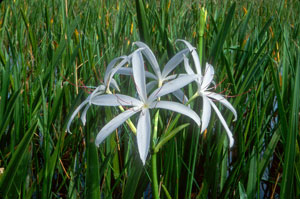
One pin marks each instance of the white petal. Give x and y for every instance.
(229, 134)
(195, 56)
(172, 86)
(206, 112)
(187, 66)
(98, 91)
(83, 114)
(180, 96)
(151, 85)
(114, 84)
(174, 62)
(150, 57)
(143, 132)
(170, 77)
(110, 67)
(128, 71)
(75, 113)
(113, 124)
(222, 100)
(177, 107)
(115, 100)
(114, 70)
(208, 76)
(125, 71)
(139, 75)
(120, 65)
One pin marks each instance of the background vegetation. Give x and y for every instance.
(50, 50)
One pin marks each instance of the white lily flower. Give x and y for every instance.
(160, 77)
(203, 83)
(142, 105)
(112, 68)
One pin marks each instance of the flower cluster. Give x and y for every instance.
(161, 84)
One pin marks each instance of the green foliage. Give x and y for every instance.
(50, 50)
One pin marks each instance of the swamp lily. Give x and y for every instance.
(142, 105)
(208, 97)
(159, 77)
(102, 96)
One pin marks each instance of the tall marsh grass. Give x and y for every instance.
(52, 51)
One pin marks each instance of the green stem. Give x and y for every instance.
(154, 159)
(129, 122)
(202, 22)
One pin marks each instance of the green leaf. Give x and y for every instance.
(263, 163)
(167, 136)
(7, 178)
(287, 184)
(133, 180)
(252, 177)
(243, 194)
(166, 191)
(218, 44)
(143, 21)
(31, 35)
(92, 173)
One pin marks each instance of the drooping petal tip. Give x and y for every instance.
(144, 134)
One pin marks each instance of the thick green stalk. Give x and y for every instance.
(203, 14)
(202, 22)
(154, 158)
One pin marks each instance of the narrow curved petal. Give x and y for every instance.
(110, 67)
(75, 113)
(150, 75)
(150, 57)
(172, 86)
(223, 101)
(143, 134)
(151, 85)
(114, 84)
(180, 96)
(194, 55)
(98, 91)
(139, 75)
(187, 66)
(125, 71)
(115, 100)
(114, 70)
(112, 125)
(177, 107)
(229, 133)
(128, 71)
(83, 114)
(174, 62)
(206, 113)
(208, 76)
(170, 77)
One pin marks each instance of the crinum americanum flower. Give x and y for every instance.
(208, 97)
(142, 105)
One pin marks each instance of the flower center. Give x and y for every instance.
(145, 105)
